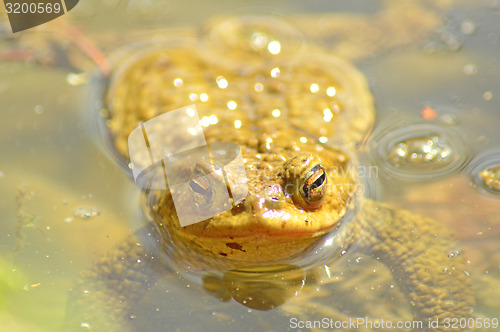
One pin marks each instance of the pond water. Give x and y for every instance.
(66, 202)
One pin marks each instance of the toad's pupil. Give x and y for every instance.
(314, 182)
(319, 181)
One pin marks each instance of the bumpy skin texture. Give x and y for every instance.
(422, 255)
(323, 103)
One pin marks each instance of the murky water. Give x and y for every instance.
(65, 201)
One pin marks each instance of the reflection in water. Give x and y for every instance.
(262, 288)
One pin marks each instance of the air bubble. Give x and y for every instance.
(39, 109)
(491, 177)
(448, 119)
(418, 152)
(487, 95)
(421, 149)
(468, 27)
(485, 170)
(86, 213)
(470, 69)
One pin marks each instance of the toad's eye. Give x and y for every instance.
(313, 185)
(305, 181)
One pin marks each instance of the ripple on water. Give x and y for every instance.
(418, 152)
(485, 171)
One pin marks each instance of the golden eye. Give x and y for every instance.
(305, 180)
(312, 188)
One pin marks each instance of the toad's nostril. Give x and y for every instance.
(273, 194)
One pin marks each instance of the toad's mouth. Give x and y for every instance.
(292, 227)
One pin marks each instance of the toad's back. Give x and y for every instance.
(267, 83)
